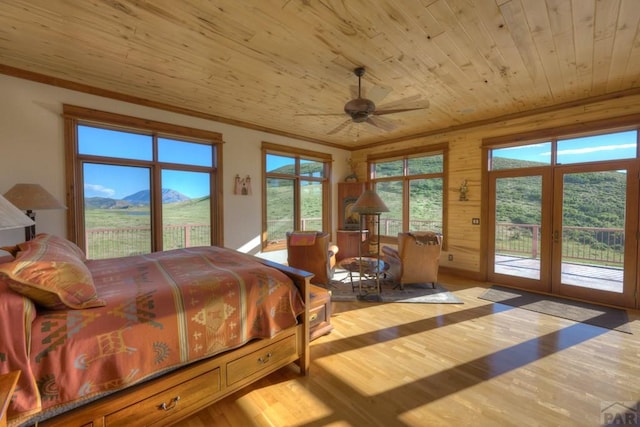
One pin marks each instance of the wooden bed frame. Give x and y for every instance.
(181, 393)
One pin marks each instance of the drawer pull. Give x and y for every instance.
(313, 317)
(171, 405)
(265, 359)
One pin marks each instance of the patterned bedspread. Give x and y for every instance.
(163, 310)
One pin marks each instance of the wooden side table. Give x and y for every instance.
(350, 243)
(7, 386)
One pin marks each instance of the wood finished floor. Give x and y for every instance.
(474, 364)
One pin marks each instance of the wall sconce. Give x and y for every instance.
(463, 191)
(242, 186)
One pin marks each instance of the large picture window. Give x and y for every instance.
(140, 186)
(412, 186)
(296, 193)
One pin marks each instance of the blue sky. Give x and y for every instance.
(117, 182)
(621, 145)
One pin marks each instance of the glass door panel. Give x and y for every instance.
(593, 257)
(518, 222)
(593, 230)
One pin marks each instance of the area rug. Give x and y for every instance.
(420, 293)
(592, 314)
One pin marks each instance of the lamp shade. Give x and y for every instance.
(12, 217)
(32, 197)
(369, 203)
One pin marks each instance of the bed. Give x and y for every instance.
(143, 339)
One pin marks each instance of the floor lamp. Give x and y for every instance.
(30, 197)
(370, 204)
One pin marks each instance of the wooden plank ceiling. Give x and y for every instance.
(286, 66)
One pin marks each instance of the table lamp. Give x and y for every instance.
(30, 197)
(12, 217)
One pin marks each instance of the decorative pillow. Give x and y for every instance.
(63, 244)
(50, 271)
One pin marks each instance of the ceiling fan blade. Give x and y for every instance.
(397, 110)
(381, 123)
(339, 127)
(378, 93)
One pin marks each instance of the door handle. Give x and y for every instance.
(556, 236)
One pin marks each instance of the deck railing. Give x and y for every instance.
(277, 229)
(604, 246)
(116, 242)
(595, 245)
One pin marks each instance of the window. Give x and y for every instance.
(140, 186)
(580, 149)
(296, 193)
(412, 186)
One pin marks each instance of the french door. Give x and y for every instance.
(590, 260)
(566, 229)
(520, 220)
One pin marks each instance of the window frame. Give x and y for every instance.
(75, 116)
(297, 154)
(432, 150)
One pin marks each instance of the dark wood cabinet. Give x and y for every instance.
(349, 236)
(348, 242)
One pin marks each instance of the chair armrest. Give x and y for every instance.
(391, 252)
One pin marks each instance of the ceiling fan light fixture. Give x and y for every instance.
(359, 109)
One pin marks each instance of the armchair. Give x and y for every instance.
(416, 259)
(312, 252)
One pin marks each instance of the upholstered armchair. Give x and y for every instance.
(312, 252)
(416, 259)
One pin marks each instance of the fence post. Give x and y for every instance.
(187, 236)
(534, 242)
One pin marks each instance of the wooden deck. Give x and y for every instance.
(587, 276)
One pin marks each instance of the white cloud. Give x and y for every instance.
(587, 150)
(99, 189)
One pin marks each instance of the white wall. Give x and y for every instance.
(32, 151)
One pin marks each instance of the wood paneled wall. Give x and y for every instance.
(464, 240)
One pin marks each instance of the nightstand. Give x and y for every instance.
(319, 312)
(7, 385)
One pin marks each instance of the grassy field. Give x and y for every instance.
(121, 232)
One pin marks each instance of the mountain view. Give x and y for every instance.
(141, 198)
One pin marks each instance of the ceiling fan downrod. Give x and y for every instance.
(359, 72)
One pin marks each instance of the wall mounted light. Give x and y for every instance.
(464, 190)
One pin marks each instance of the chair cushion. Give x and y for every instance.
(303, 238)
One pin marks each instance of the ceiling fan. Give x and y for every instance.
(363, 110)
